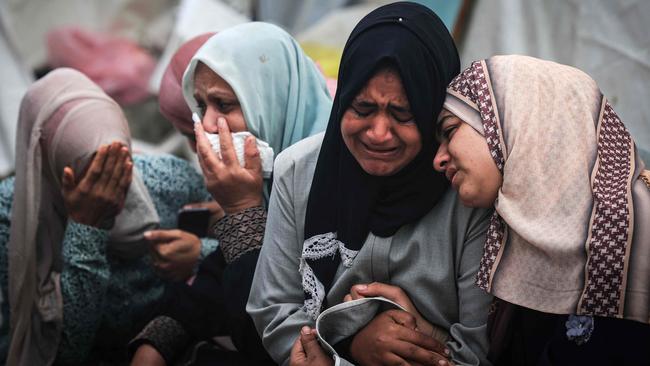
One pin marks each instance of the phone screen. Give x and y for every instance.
(194, 220)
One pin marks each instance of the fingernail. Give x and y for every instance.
(447, 351)
(221, 122)
(147, 234)
(443, 363)
(196, 118)
(362, 287)
(305, 330)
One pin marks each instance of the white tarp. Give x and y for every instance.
(610, 40)
(194, 17)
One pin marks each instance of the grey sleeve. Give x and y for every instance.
(276, 297)
(469, 343)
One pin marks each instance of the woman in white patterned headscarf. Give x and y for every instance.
(566, 243)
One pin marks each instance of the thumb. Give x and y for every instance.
(252, 158)
(67, 179)
(310, 342)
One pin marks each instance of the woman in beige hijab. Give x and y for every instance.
(79, 281)
(567, 254)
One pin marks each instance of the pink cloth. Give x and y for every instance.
(119, 66)
(171, 100)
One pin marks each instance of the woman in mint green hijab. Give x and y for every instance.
(282, 94)
(252, 78)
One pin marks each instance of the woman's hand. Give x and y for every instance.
(98, 196)
(391, 339)
(175, 253)
(235, 187)
(307, 352)
(148, 356)
(394, 294)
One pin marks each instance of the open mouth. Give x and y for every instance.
(380, 152)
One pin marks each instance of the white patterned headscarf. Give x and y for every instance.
(563, 231)
(64, 118)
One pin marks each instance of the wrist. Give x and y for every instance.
(242, 205)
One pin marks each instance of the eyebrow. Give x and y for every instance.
(364, 103)
(400, 108)
(367, 104)
(212, 94)
(441, 120)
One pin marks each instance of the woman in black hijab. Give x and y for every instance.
(363, 203)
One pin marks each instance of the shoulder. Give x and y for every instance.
(301, 155)
(7, 189)
(455, 219)
(6, 194)
(159, 161)
(162, 165)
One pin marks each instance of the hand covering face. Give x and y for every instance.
(64, 118)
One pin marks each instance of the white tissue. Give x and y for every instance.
(238, 139)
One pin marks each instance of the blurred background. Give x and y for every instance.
(125, 45)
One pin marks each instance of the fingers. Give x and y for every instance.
(252, 159)
(207, 158)
(416, 354)
(402, 318)
(228, 154)
(112, 157)
(347, 298)
(118, 170)
(161, 236)
(298, 355)
(213, 206)
(94, 172)
(393, 293)
(410, 335)
(310, 343)
(414, 345)
(354, 293)
(67, 179)
(125, 179)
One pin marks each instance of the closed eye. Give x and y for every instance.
(363, 109)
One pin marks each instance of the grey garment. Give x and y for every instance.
(346, 319)
(434, 261)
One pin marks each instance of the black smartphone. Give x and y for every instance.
(194, 220)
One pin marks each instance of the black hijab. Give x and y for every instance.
(344, 199)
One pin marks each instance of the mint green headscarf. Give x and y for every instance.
(282, 94)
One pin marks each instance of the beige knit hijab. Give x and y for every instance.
(64, 118)
(563, 238)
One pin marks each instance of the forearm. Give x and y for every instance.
(241, 232)
(84, 282)
(468, 342)
(166, 335)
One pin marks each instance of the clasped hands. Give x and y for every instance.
(393, 337)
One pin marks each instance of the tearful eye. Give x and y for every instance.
(448, 132)
(226, 106)
(201, 107)
(404, 117)
(360, 112)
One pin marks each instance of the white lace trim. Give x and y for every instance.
(317, 247)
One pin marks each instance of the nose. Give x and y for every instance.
(441, 159)
(209, 121)
(380, 130)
